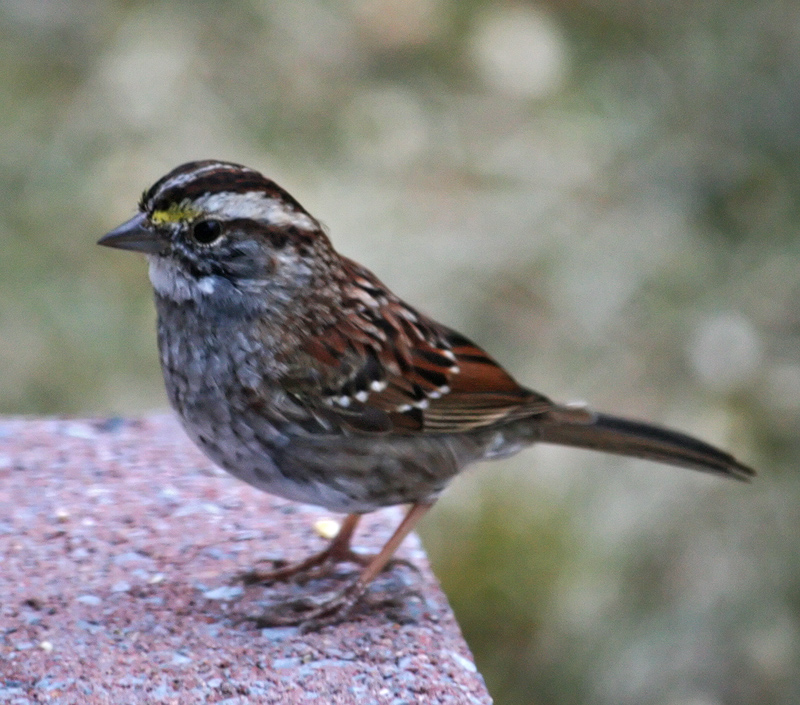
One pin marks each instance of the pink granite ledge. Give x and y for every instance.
(119, 544)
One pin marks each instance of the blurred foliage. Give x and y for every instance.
(603, 193)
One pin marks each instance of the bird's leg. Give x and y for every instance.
(312, 613)
(337, 551)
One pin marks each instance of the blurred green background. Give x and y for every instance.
(603, 193)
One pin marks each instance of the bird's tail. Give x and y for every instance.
(586, 429)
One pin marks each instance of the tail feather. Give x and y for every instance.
(582, 429)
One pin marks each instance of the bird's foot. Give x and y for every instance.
(312, 613)
(319, 565)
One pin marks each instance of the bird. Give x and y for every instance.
(295, 369)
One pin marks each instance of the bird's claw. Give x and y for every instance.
(312, 613)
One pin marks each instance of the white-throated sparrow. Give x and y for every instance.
(298, 371)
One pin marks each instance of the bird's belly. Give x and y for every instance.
(336, 474)
(238, 449)
(339, 471)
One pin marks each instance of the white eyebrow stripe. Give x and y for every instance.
(254, 205)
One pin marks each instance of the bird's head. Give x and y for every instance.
(222, 234)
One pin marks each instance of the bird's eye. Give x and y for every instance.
(205, 232)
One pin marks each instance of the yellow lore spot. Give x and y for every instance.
(176, 213)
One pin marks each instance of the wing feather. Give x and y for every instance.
(386, 367)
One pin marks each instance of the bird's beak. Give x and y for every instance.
(136, 234)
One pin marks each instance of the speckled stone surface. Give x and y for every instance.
(119, 549)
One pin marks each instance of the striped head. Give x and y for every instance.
(218, 230)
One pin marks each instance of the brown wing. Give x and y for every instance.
(389, 368)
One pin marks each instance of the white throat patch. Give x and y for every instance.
(170, 282)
